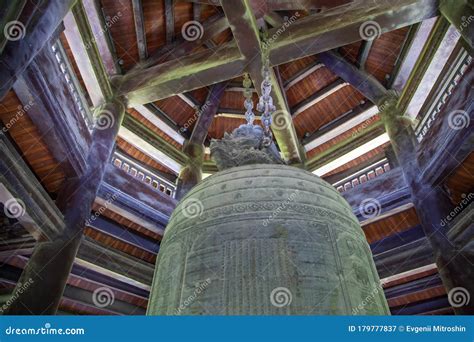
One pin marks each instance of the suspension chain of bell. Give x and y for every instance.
(248, 103)
(265, 103)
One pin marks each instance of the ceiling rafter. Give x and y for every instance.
(362, 113)
(190, 100)
(364, 52)
(140, 29)
(103, 41)
(317, 97)
(302, 74)
(169, 16)
(182, 47)
(273, 18)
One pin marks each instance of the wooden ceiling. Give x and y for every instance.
(384, 54)
(380, 63)
(30, 143)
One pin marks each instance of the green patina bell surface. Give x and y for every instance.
(265, 240)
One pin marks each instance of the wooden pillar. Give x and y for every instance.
(50, 264)
(191, 173)
(431, 204)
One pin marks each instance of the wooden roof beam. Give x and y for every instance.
(21, 192)
(296, 41)
(86, 267)
(169, 16)
(129, 187)
(443, 148)
(403, 258)
(364, 52)
(178, 76)
(326, 31)
(102, 39)
(365, 83)
(140, 28)
(246, 34)
(81, 39)
(191, 173)
(410, 275)
(126, 265)
(273, 19)
(18, 54)
(207, 113)
(78, 290)
(459, 14)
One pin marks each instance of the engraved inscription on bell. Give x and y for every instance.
(265, 240)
